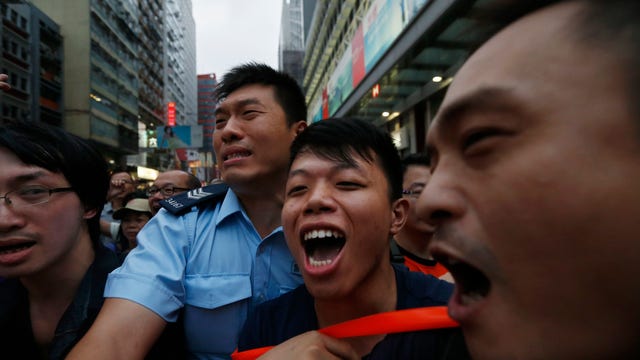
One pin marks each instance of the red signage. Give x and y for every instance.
(325, 104)
(357, 57)
(171, 114)
(375, 91)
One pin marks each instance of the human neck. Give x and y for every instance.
(376, 295)
(415, 242)
(52, 290)
(263, 205)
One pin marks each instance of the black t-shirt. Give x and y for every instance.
(293, 313)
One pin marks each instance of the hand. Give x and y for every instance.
(4, 85)
(120, 182)
(118, 189)
(312, 345)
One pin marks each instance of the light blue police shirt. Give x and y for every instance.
(212, 262)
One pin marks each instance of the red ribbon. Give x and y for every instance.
(425, 318)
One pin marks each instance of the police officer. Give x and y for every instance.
(217, 253)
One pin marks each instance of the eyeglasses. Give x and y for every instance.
(166, 191)
(31, 195)
(413, 191)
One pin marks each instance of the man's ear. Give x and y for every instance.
(399, 214)
(300, 126)
(89, 213)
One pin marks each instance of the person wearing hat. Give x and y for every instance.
(133, 216)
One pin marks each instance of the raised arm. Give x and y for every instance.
(122, 330)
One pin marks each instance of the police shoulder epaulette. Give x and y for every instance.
(183, 202)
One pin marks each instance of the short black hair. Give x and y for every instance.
(287, 92)
(336, 139)
(58, 151)
(419, 158)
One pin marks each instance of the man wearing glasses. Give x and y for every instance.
(53, 267)
(411, 242)
(168, 184)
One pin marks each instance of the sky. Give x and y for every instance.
(231, 32)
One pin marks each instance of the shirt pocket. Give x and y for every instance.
(213, 291)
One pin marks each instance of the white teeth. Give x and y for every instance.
(235, 156)
(321, 234)
(318, 263)
(11, 251)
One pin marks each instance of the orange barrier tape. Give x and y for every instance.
(425, 318)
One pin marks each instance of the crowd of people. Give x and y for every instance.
(520, 217)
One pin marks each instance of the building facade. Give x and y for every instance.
(152, 107)
(32, 56)
(125, 62)
(207, 119)
(389, 61)
(295, 22)
(180, 60)
(100, 71)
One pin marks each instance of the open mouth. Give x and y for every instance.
(14, 248)
(473, 285)
(322, 246)
(237, 155)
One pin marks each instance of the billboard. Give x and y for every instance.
(382, 24)
(179, 137)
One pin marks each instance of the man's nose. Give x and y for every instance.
(319, 199)
(231, 131)
(440, 200)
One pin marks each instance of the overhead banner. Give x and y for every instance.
(382, 24)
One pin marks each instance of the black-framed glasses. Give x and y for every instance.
(414, 191)
(31, 195)
(165, 191)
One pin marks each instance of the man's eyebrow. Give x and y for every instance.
(240, 103)
(22, 178)
(30, 176)
(495, 99)
(334, 168)
(296, 172)
(249, 101)
(488, 99)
